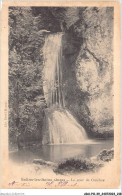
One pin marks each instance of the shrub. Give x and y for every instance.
(77, 165)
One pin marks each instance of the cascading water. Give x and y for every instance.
(62, 126)
(53, 71)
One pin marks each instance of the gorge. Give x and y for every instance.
(80, 77)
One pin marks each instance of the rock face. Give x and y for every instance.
(88, 70)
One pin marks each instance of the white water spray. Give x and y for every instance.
(62, 126)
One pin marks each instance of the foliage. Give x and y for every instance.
(77, 165)
(106, 155)
(25, 73)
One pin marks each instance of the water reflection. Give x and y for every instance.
(57, 153)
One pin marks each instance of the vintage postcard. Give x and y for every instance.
(60, 103)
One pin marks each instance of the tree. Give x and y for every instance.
(25, 73)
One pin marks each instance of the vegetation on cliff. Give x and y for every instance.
(25, 74)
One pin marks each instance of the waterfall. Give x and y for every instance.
(62, 126)
(53, 70)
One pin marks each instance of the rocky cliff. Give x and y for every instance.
(88, 70)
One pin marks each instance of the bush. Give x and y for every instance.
(77, 165)
(106, 155)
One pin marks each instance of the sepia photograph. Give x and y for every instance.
(61, 88)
